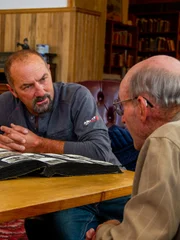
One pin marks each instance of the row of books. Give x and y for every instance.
(122, 38)
(156, 44)
(122, 59)
(153, 25)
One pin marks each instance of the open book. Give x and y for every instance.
(14, 164)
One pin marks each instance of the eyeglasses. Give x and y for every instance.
(119, 108)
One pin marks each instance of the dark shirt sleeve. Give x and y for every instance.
(93, 139)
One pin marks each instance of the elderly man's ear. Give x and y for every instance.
(142, 108)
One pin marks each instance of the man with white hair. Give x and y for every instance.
(149, 102)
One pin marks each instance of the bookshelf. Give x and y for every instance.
(159, 33)
(120, 47)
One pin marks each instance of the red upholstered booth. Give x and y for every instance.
(105, 92)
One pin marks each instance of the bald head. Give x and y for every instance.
(163, 62)
(158, 77)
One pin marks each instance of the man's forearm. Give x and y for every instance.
(45, 145)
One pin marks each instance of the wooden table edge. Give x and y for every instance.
(58, 205)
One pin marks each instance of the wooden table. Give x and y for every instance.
(32, 196)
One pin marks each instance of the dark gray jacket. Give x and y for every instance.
(74, 119)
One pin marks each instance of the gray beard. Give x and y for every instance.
(46, 107)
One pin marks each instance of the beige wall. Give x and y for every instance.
(75, 33)
(19, 4)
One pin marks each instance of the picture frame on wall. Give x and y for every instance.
(117, 10)
(114, 10)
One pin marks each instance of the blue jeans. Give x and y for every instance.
(72, 224)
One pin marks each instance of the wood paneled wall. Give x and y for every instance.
(75, 34)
